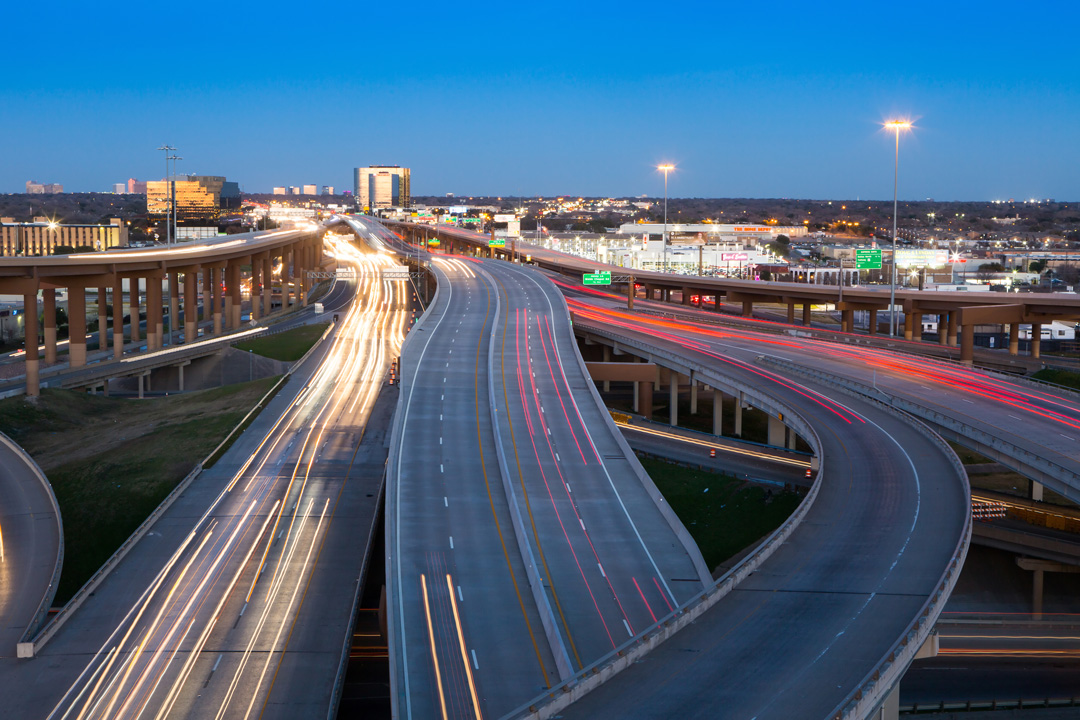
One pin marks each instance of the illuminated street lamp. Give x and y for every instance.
(896, 126)
(665, 169)
(168, 149)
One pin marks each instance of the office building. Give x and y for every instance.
(381, 186)
(279, 189)
(36, 188)
(199, 198)
(134, 187)
(311, 190)
(42, 237)
(327, 189)
(119, 188)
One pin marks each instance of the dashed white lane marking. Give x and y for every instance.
(459, 597)
(445, 502)
(451, 542)
(476, 665)
(627, 626)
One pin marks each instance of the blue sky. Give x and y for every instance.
(748, 99)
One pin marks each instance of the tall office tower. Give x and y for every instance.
(381, 186)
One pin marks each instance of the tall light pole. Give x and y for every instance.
(167, 149)
(172, 196)
(665, 169)
(896, 126)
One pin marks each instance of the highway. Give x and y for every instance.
(201, 618)
(522, 545)
(31, 542)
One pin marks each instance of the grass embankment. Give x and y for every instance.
(1060, 377)
(724, 515)
(288, 346)
(111, 461)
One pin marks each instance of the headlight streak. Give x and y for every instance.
(353, 367)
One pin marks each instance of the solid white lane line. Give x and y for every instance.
(474, 662)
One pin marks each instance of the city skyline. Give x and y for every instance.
(587, 101)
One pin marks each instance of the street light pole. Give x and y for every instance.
(896, 126)
(665, 169)
(167, 148)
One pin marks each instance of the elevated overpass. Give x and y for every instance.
(217, 263)
(958, 312)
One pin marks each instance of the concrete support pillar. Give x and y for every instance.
(191, 298)
(792, 439)
(607, 358)
(77, 326)
(180, 376)
(48, 295)
(207, 293)
(916, 326)
(1014, 338)
(909, 327)
(142, 382)
(693, 394)
(776, 432)
(686, 296)
(1036, 491)
(103, 318)
(30, 346)
(268, 284)
(174, 304)
(673, 398)
(135, 308)
(791, 312)
(717, 304)
(1036, 339)
(631, 293)
(873, 322)
(717, 412)
(305, 281)
(118, 318)
(1037, 593)
(644, 399)
(105, 388)
(636, 399)
(806, 314)
(967, 343)
(738, 414)
(286, 278)
(235, 294)
(748, 308)
(216, 279)
(153, 314)
(890, 709)
(847, 320)
(256, 285)
(954, 319)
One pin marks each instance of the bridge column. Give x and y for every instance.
(717, 304)
(776, 432)
(717, 412)
(847, 321)
(748, 308)
(297, 276)
(673, 398)
(48, 296)
(256, 285)
(909, 330)
(954, 318)
(873, 322)
(118, 317)
(216, 279)
(686, 296)
(191, 299)
(102, 319)
(791, 312)
(1036, 491)
(916, 326)
(30, 345)
(738, 414)
(174, 304)
(1036, 339)
(207, 293)
(943, 328)
(154, 326)
(806, 313)
(693, 393)
(77, 326)
(631, 293)
(967, 343)
(1014, 338)
(607, 358)
(135, 308)
(286, 278)
(268, 283)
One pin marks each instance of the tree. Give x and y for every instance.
(63, 250)
(1036, 266)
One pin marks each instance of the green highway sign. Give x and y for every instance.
(600, 278)
(497, 242)
(868, 259)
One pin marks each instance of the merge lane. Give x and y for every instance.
(613, 571)
(831, 602)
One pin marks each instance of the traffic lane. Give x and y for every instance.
(463, 511)
(30, 535)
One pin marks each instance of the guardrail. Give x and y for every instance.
(50, 591)
(46, 633)
(550, 703)
(875, 686)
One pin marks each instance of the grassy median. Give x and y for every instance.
(723, 514)
(111, 461)
(288, 346)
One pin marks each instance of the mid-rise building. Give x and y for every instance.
(327, 189)
(119, 188)
(42, 236)
(382, 186)
(134, 187)
(199, 198)
(36, 188)
(310, 190)
(279, 190)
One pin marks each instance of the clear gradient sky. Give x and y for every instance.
(748, 99)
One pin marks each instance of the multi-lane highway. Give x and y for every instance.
(523, 544)
(203, 617)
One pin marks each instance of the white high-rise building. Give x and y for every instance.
(381, 186)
